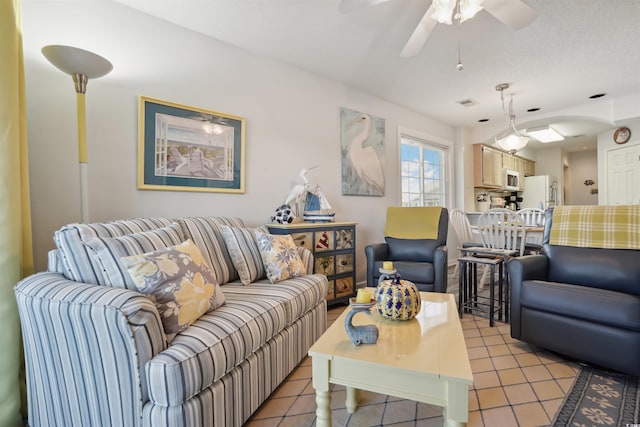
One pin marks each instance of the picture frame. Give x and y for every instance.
(362, 140)
(183, 148)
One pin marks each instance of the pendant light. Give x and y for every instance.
(510, 140)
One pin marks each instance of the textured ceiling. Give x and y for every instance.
(573, 49)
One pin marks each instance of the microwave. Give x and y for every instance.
(511, 180)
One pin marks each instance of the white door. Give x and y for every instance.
(623, 176)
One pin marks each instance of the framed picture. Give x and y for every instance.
(362, 142)
(182, 148)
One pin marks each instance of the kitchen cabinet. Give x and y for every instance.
(489, 164)
(529, 167)
(487, 167)
(509, 161)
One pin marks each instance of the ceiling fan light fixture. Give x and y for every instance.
(469, 8)
(545, 134)
(443, 10)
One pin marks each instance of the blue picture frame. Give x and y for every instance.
(182, 148)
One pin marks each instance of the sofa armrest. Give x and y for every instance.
(441, 269)
(85, 349)
(307, 258)
(530, 267)
(375, 252)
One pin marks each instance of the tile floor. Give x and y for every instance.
(514, 385)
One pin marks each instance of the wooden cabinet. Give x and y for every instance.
(509, 161)
(529, 167)
(334, 250)
(519, 167)
(487, 167)
(489, 163)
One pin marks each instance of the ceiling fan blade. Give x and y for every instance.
(420, 35)
(513, 13)
(347, 6)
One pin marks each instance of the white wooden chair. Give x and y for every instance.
(532, 217)
(462, 228)
(501, 230)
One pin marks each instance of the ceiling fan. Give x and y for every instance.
(514, 14)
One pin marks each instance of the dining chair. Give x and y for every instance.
(505, 233)
(462, 229)
(502, 230)
(532, 217)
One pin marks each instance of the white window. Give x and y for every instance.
(424, 172)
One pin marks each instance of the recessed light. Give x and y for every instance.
(597, 95)
(531, 110)
(483, 120)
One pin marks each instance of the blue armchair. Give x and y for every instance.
(416, 243)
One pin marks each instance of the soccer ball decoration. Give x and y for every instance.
(284, 215)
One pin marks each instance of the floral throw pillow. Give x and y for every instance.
(279, 256)
(179, 282)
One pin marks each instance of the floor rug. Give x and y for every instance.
(600, 398)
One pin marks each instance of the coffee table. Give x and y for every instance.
(423, 359)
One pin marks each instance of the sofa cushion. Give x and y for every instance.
(613, 269)
(222, 339)
(179, 282)
(109, 250)
(582, 302)
(206, 234)
(78, 262)
(298, 295)
(279, 256)
(244, 252)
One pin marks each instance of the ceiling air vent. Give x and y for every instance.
(467, 102)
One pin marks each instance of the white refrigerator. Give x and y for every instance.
(538, 192)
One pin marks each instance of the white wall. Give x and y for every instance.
(292, 122)
(583, 166)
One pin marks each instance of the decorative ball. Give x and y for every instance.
(284, 215)
(397, 299)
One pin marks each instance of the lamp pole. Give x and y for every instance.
(81, 65)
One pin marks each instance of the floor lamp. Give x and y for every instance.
(82, 65)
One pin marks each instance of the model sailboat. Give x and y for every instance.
(317, 208)
(311, 201)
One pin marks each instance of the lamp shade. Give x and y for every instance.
(512, 142)
(73, 60)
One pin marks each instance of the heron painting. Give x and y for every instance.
(362, 140)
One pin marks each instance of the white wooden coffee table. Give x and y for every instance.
(424, 359)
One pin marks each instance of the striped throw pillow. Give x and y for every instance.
(109, 250)
(242, 246)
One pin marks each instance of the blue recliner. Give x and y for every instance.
(416, 243)
(577, 297)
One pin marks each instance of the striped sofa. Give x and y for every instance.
(96, 353)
